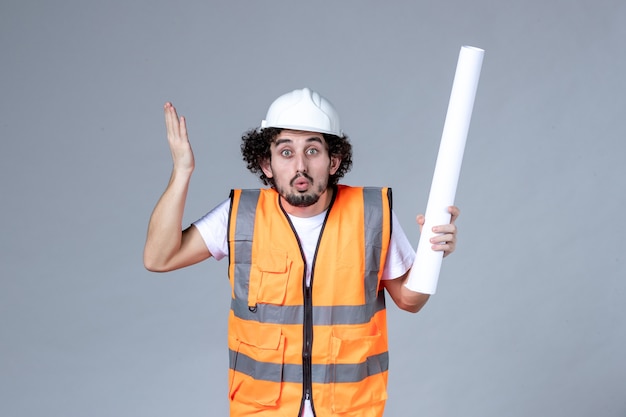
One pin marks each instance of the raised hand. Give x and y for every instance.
(182, 155)
(167, 247)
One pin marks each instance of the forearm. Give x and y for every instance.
(404, 298)
(164, 235)
(412, 301)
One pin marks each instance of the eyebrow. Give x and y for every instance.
(309, 140)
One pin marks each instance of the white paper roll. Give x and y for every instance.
(425, 271)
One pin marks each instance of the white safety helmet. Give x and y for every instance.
(303, 110)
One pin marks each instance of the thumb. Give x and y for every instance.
(420, 219)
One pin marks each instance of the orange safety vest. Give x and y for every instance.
(326, 342)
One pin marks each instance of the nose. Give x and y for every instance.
(300, 163)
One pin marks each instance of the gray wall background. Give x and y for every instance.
(530, 316)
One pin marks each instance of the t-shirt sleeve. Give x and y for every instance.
(213, 228)
(400, 255)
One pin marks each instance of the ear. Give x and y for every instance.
(266, 167)
(335, 162)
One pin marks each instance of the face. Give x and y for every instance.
(300, 166)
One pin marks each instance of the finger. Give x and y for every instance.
(454, 211)
(183, 128)
(167, 111)
(445, 242)
(445, 228)
(443, 247)
(447, 251)
(443, 239)
(171, 121)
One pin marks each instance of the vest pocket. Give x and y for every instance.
(256, 365)
(273, 268)
(359, 379)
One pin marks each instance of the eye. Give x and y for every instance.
(312, 151)
(286, 153)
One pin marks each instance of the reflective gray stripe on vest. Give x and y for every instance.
(372, 199)
(244, 230)
(322, 315)
(321, 374)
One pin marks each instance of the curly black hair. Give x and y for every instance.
(255, 148)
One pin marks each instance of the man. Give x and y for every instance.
(309, 262)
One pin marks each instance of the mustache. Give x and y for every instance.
(301, 174)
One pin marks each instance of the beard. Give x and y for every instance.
(302, 199)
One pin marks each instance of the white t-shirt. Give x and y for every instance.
(214, 225)
(213, 228)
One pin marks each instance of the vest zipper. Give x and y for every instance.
(307, 325)
(307, 343)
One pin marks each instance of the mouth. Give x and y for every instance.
(301, 182)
